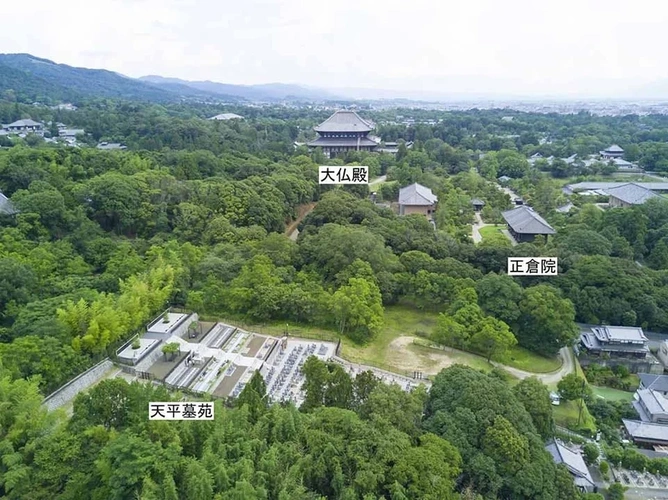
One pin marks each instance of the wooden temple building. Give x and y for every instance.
(344, 131)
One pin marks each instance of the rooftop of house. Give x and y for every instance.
(24, 123)
(416, 194)
(653, 401)
(524, 220)
(344, 121)
(646, 430)
(654, 382)
(614, 149)
(504, 178)
(226, 116)
(572, 459)
(6, 206)
(110, 145)
(565, 208)
(477, 201)
(581, 186)
(619, 333)
(632, 193)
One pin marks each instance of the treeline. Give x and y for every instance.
(472, 437)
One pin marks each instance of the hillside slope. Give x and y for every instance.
(34, 78)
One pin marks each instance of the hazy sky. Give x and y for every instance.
(593, 47)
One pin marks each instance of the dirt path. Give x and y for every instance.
(476, 227)
(378, 180)
(302, 211)
(403, 355)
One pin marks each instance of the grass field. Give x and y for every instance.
(493, 235)
(566, 415)
(401, 346)
(520, 358)
(611, 394)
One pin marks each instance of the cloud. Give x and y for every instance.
(517, 46)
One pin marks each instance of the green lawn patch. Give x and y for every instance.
(493, 235)
(566, 415)
(611, 394)
(522, 359)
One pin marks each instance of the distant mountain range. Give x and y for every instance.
(262, 92)
(35, 79)
(32, 78)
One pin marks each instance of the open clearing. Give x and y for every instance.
(492, 235)
(402, 347)
(611, 394)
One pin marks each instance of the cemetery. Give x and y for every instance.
(220, 359)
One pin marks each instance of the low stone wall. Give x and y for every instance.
(80, 383)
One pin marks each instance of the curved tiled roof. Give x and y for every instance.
(524, 220)
(344, 121)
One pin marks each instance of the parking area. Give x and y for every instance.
(634, 479)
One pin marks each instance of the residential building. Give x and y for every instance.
(417, 199)
(65, 107)
(477, 204)
(657, 187)
(613, 151)
(524, 224)
(662, 353)
(227, 116)
(70, 132)
(646, 434)
(625, 341)
(566, 208)
(628, 195)
(392, 147)
(6, 206)
(572, 459)
(26, 126)
(344, 131)
(652, 406)
(111, 146)
(504, 179)
(656, 383)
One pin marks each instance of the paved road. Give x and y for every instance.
(475, 228)
(551, 378)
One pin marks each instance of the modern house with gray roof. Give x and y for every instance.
(417, 199)
(629, 194)
(344, 131)
(572, 459)
(625, 341)
(651, 406)
(656, 383)
(524, 224)
(646, 434)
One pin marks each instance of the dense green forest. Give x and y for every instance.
(353, 439)
(194, 214)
